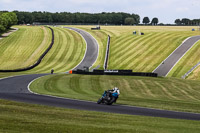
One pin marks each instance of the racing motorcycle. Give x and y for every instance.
(108, 98)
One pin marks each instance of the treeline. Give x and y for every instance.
(186, 21)
(146, 21)
(7, 19)
(77, 18)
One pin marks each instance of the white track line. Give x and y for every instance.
(179, 58)
(171, 54)
(86, 46)
(85, 50)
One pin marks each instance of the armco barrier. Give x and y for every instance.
(38, 61)
(107, 54)
(115, 72)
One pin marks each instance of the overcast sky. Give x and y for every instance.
(165, 10)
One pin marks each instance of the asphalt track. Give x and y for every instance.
(16, 89)
(165, 67)
(91, 49)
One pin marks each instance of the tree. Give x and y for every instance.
(7, 19)
(145, 20)
(2, 28)
(154, 21)
(185, 21)
(129, 21)
(137, 18)
(178, 22)
(66, 17)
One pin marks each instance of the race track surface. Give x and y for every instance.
(164, 68)
(16, 89)
(91, 51)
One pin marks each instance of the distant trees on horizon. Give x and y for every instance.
(186, 21)
(77, 18)
(7, 19)
(146, 21)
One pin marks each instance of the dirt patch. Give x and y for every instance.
(8, 33)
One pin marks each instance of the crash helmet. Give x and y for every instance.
(115, 89)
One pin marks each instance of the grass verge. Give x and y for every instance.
(20, 117)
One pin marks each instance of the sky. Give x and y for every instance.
(165, 10)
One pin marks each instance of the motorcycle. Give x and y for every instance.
(108, 98)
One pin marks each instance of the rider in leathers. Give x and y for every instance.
(114, 90)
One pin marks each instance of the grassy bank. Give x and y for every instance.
(190, 59)
(20, 117)
(67, 51)
(23, 47)
(162, 93)
(140, 53)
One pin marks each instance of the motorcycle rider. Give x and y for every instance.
(114, 90)
(109, 96)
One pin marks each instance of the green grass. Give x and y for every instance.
(142, 53)
(195, 75)
(186, 63)
(21, 48)
(21, 117)
(162, 93)
(139, 53)
(67, 51)
(102, 38)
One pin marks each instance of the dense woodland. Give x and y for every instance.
(7, 19)
(77, 18)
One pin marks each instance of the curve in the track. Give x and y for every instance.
(16, 89)
(166, 66)
(91, 50)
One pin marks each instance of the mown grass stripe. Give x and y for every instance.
(31, 36)
(184, 93)
(138, 65)
(165, 90)
(50, 58)
(122, 46)
(63, 60)
(146, 89)
(163, 93)
(133, 53)
(137, 43)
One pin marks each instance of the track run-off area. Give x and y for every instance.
(17, 88)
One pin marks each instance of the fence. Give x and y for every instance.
(115, 72)
(107, 54)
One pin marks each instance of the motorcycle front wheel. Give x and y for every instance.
(99, 101)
